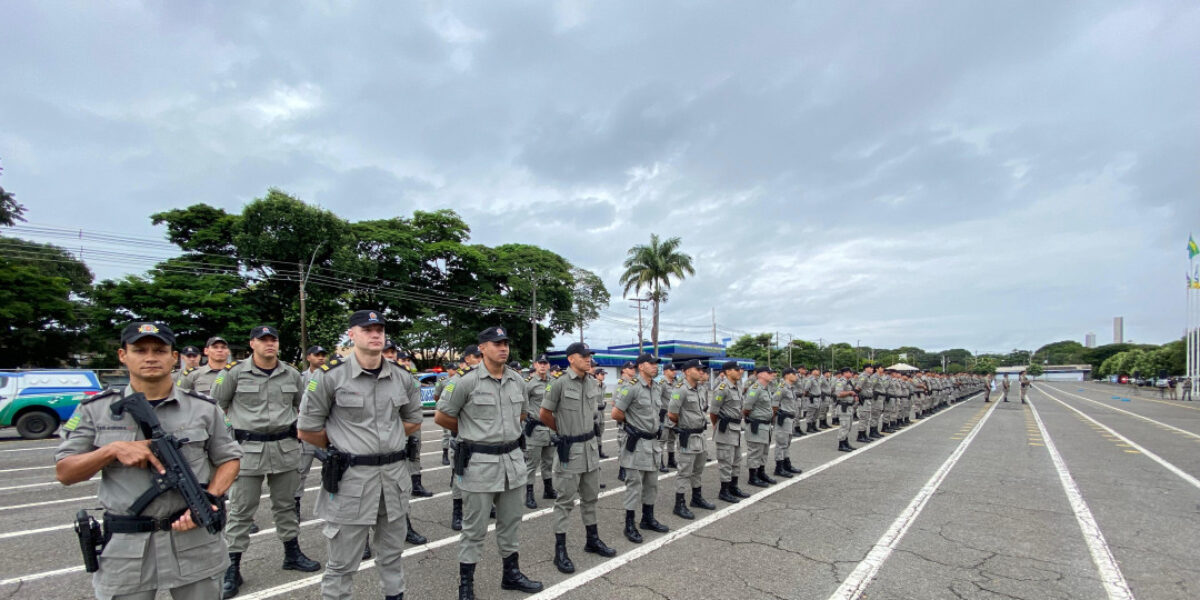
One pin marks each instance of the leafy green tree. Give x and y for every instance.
(1066, 352)
(651, 267)
(1035, 370)
(43, 289)
(590, 297)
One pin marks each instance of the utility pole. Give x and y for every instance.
(714, 324)
(639, 302)
(789, 347)
(533, 322)
(304, 273)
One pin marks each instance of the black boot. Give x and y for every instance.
(763, 477)
(837, 420)
(492, 513)
(671, 461)
(787, 464)
(874, 434)
(844, 446)
(418, 490)
(456, 515)
(561, 560)
(681, 509)
(466, 581)
(295, 560)
(367, 554)
(662, 467)
(621, 474)
(399, 596)
(725, 495)
(753, 479)
(412, 536)
(529, 501)
(233, 576)
(298, 519)
(445, 456)
(781, 470)
(812, 428)
(514, 579)
(649, 522)
(735, 490)
(631, 532)
(595, 545)
(548, 492)
(698, 501)
(254, 528)
(862, 437)
(799, 431)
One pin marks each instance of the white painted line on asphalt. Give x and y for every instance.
(856, 584)
(43, 484)
(1110, 573)
(641, 550)
(31, 449)
(1121, 410)
(1156, 458)
(26, 469)
(41, 575)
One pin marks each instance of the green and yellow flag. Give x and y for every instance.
(1193, 249)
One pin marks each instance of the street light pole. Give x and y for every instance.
(304, 297)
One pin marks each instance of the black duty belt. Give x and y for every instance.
(376, 460)
(245, 435)
(754, 423)
(782, 416)
(686, 434)
(633, 434)
(126, 524)
(563, 443)
(463, 449)
(723, 422)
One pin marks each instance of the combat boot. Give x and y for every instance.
(799, 431)
(681, 509)
(763, 477)
(812, 428)
(561, 560)
(874, 434)
(595, 545)
(295, 560)
(844, 446)
(600, 447)
(631, 532)
(445, 456)
(399, 596)
(754, 480)
(862, 437)
(698, 501)
(529, 501)
(781, 470)
(456, 515)
(466, 581)
(233, 576)
(514, 579)
(418, 489)
(649, 522)
(412, 536)
(662, 468)
(548, 492)
(671, 464)
(787, 464)
(735, 490)
(837, 420)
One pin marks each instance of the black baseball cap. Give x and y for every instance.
(316, 350)
(138, 330)
(492, 334)
(190, 351)
(362, 318)
(763, 369)
(730, 365)
(471, 350)
(579, 348)
(214, 339)
(263, 330)
(390, 344)
(628, 365)
(692, 364)
(789, 371)
(645, 358)
(541, 359)
(670, 367)
(846, 370)
(404, 355)
(600, 372)
(514, 365)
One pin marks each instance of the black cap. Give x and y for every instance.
(514, 365)
(492, 334)
(579, 348)
(214, 339)
(628, 365)
(263, 330)
(671, 366)
(362, 318)
(556, 368)
(600, 372)
(143, 329)
(472, 350)
(763, 369)
(390, 344)
(404, 355)
(316, 350)
(846, 370)
(729, 364)
(541, 359)
(645, 358)
(789, 371)
(190, 351)
(801, 368)
(692, 364)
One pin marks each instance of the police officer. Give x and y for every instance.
(315, 357)
(725, 413)
(845, 397)
(759, 412)
(567, 409)
(202, 377)
(160, 548)
(864, 394)
(830, 407)
(261, 396)
(628, 376)
(636, 409)
(788, 403)
(1024, 380)
(538, 451)
(485, 407)
(191, 357)
(686, 415)
(666, 440)
(600, 374)
(366, 408)
(471, 357)
(1005, 387)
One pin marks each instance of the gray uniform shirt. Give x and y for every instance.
(640, 405)
(787, 398)
(200, 378)
(363, 414)
(688, 404)
(488, 412)
(758, 402)
(842, 385)
(180, 557)
(727, 402)
(261, 403)
(572, 398)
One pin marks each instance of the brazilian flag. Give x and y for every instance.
(1193, 249)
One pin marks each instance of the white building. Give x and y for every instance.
(1089, 340)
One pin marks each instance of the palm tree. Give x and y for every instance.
(651, 266)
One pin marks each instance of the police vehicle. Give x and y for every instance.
(35, 402)
(428, 381)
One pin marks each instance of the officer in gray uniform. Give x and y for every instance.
(202, 377)
(666, 439)
(864, 390)
(1024, 381)
(686, 415)
(471, 359)
(160, 548)
(788, 403)
(845, 397)
(600, 375)
(391, 351)
(636, 409)
(315, 357)
(538, 451)
(725, 413)
(829, 411)
(486, 409)
(628, 376)
(759, 411)
(363, 411)
(261, 397)
(567, 409)
(191, 357)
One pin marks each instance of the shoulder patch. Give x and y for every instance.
(721, 387)
(188, 370)
(448, 389)
(679, 384)
(528, 379)
(112, 391)
(333, 363)
(557, 375)
(230, 364)
(195, 394)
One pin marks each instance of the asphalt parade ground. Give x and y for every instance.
(1086, 492)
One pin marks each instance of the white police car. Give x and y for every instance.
(35, 402)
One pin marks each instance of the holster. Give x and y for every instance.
(754, 423)
(723, 423)
(782, 416)
(91, 540)
(412, 447)
(530, 424)
(633, 434)
(335, 463)
(686, 434)
(563, 449)
(462, 456)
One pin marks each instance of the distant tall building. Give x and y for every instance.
(1118, 330)
(1089, 340)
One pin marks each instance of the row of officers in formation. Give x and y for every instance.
(242, 424)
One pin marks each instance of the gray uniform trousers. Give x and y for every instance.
(205, 589)
(865, 405)
(243, 502)
(641, 487)
(306, 461)
(827, 411)
(783, 439)
(586, 487)
(538, 451)
(845, 414)
(510, 505)
(346, 544)
(729, 459)
(691, 468)
(756, 453)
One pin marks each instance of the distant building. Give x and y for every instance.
(1118, 330)
(1089, 340)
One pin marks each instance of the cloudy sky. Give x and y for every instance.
(987, 175)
